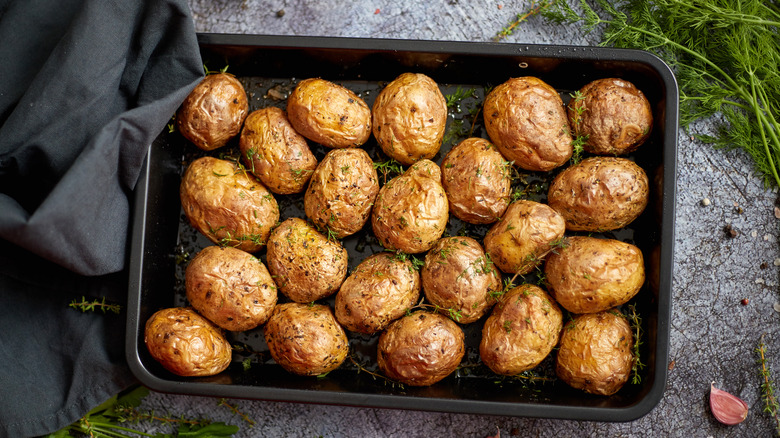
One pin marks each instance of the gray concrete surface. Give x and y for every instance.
(713, 337)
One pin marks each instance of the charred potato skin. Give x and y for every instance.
(599, 194)
(342, 191)
(590, 275)
(409, 118)
(185, 343)
(213, 112)
(227, 205)
(329, 114)
(420, 349)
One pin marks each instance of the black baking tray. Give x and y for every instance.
(162, 241)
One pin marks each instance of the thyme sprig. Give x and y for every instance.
(97, 304)
(771, 405)
(636, 328)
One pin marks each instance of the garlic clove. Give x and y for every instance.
(727, 408)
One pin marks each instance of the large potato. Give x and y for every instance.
(589, 275)
(342, 191)
(599, 194)
(409, 118)
(525, 118)
(227, 205)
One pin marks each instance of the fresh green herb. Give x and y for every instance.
(520, 18)
(453, 100)
(211, 72)
(388, 169)
(771, 405)
(636, 328)
(91, 306)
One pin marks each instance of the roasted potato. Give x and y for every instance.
(460, 279)
(477, 180)
(305, 264)
(409, 116)
(525, 118)
(595, 353)
(599, 194)
(275, 153)
(305, 339)
(227, 205)
(342, 191)
(611, 115)
(420, 349)
(590, 275)
(213, 112)
(186, 343)
(329, 114)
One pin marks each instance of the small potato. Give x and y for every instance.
(227, 205)
(380, 290)
(342, 191)
(409, 117)
(459, 278)
(420, 349)
(230, 287)
(411, 210)
(525, 118)
(613, 116)
(522, 330)
(599, 194)
(595, 354)
(305, 339)
(526, 233)
(305, 264)
(213, 112)
(590, 275)
(477, 180)
(329, 114)
(186, 343)
(275, 153)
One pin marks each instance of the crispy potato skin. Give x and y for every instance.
(380, 290)
(305, 264)
(590, 275)
(342, 191)
(227, 205)
(409, 118)
(186, 343)
(477, 180)
(213, 112)
(305, 339)
(329, 114)
(459, 278)
(614, 116)
(521, 331)
(599, 194)
(411, 210)
(275, 153)
(526, 233)
(420, 349)
(526, 120)
(595, 354)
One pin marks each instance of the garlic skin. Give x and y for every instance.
(727, 408)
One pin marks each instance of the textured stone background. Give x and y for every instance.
(713, 336)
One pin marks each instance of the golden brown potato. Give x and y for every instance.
(275, 153)
(305, 264)
(213, 112)
(595, 354)
(411, 210)
(522, 330)
(477, 180)
(380, 289)
(409, 117)
(589, 275)
(342, 191)
(420, 349)
(526, 233)
(227, 205)
(460, 279)
(230, 287)
(329, 114)
(612, 115)
(186, 343)
(305, 339)
(526, 120)
(599, 194)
